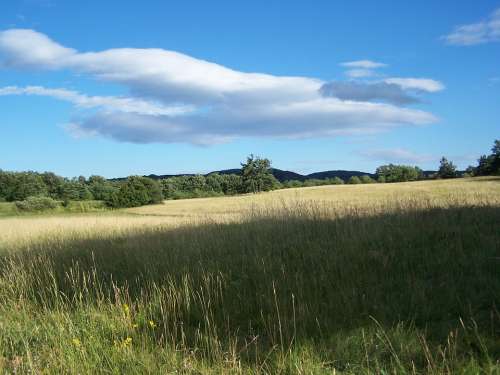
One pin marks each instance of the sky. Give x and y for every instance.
(120, 88)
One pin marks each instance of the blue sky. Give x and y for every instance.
(118, 88)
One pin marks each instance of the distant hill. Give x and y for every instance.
(280, 174)
(344, 175)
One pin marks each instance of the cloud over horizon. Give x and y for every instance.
(177, 98)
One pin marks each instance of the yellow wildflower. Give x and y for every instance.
(152, 324)
(76, 342)
(135, 325)
(127, 342)
(126, 308)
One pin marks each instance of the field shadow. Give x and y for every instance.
(282, 278)
(484, 179)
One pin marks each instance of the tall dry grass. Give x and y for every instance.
(402, 279)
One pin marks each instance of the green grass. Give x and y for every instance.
(414, 290)
(9, 208)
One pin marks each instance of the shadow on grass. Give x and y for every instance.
(285, 278)
(484, 179)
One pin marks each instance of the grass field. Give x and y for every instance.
(365, 279)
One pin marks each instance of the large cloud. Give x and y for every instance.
(177, 98)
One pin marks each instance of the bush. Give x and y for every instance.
(136, 191)
(84, 206)
(32, 204)
(335, 181)
(354, 180)
(292, 184)
(365, 179)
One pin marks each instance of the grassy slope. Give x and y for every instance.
(8, 209)
(400, 278)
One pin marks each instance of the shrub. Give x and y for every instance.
(335, 181)
(136, 191)
(354, 180)
(292, 184)
(365, 179)
(31, 204)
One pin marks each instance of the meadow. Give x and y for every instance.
(399, 278)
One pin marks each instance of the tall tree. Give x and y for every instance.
(257, 176)
(398, 173)
(495, 157)
(446, 169)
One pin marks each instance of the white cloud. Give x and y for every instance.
(362, 68)
(398, 155)
(177, 98)
(485, 31)
(420, 84)
(360, 73)
(363, 64)
(108, 103)
(23, 47)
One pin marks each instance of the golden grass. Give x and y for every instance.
(365, 279)
(336, 200)
(436, 193)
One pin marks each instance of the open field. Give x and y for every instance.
(364, 279)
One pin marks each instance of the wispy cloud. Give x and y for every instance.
(362, 68)
(420, 84)
(363, 64)
(107, 103)
(360, 73)
(397, 155)
(485, 31)
(177, 98)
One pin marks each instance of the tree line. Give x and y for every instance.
(33, 190)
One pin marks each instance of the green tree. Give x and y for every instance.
(293, 184)
(232, 184)
(153, 189)
(214, 182)
(398, 173)
(365, 179)
(27, 184)
(256, 175)
(495, 157)
(7, 185)
(75, 190)
(136, 191)
(335, 181)
(100, 188)
(446, 169)
(54, 184)
(354, 180)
